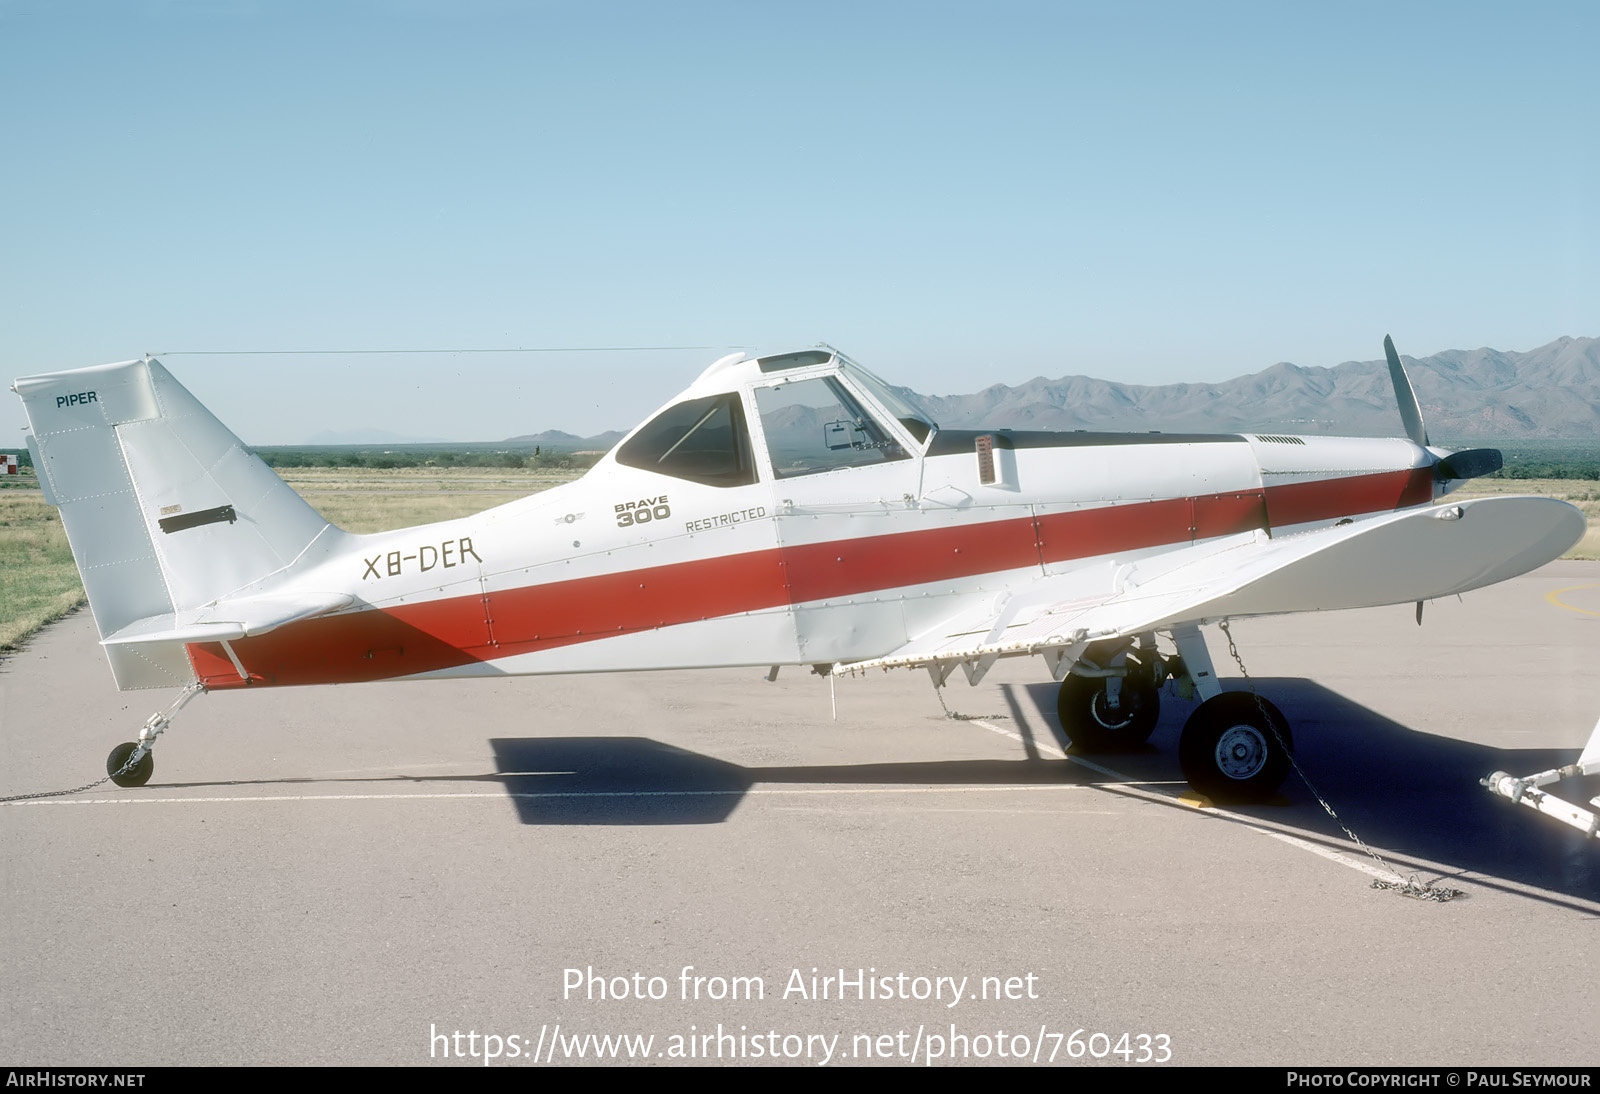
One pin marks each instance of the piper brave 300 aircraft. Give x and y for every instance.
(785, 510)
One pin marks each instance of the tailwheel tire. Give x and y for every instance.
(138, 774)
(1236, 747)
(1093, 724)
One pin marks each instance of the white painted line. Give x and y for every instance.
(1133, 786)
(1010, 812)
(502, 795)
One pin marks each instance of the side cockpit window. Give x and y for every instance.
(702, 440)
(815, 425)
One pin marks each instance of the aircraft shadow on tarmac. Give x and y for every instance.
(1411, 793)
(635, 780)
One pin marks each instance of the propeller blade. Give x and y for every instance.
(1410, 412)
(1469, 464)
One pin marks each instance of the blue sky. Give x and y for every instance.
(956, 195)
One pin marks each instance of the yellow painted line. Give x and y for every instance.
(1554, 597)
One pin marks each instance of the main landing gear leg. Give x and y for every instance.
(130, 763)
(1236, 746)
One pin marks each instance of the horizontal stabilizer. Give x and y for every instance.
(230, 619)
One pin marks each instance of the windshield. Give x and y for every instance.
(815, 425)
(917, 421)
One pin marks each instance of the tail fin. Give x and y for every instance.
(166, 511)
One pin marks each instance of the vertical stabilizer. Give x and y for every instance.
(165, 509)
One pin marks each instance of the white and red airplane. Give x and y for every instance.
(786, 510)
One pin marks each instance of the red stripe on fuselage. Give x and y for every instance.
(1084, 533)
(410, 638)
(1330, 499)
(406, 639)
(847, 567)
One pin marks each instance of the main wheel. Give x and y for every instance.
(1094, 724)
(138, 774)
(1235, 746)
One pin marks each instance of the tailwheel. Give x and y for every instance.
(1113, 714)
(138, 774)
(1236, 747)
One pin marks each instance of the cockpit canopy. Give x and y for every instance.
(814, 411)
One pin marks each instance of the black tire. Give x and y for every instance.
(1093, 726)
(1236, 747)
(138, 774)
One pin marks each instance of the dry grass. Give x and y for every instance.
(38, 580)
(369, 500)
(361, 512)
(421, 480)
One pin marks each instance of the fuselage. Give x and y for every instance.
(789, 510)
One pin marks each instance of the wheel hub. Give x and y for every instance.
(1113, 717)
(1241, 752)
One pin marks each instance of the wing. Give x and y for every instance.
(1396, 558)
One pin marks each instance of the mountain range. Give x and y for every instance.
(1552, 392)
